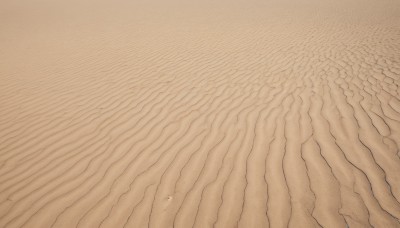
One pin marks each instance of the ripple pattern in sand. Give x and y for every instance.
(266, 120)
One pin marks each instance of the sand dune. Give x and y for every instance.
(200, 113)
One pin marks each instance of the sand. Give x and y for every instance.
(199, 113)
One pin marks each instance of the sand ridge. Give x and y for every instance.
(200, 114)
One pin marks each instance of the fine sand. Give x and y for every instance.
(223, 113)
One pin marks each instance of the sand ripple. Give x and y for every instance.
(200, 114)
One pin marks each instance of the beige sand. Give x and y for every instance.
(260, 113)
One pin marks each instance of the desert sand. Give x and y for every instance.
(258, 113)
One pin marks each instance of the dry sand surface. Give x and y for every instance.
(168, 113)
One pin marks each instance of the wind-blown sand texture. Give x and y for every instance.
(199, 113)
